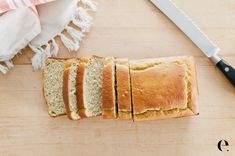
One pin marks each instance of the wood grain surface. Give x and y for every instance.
(132, 29)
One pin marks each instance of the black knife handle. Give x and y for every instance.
(228, 70)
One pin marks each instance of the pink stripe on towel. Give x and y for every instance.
(5, 6)
(34, 9)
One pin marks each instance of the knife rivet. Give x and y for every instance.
(226, 69)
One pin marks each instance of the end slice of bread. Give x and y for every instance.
(53, 84)
(69, 91)
(108, 91)
(123, 89)
(164, 88)
(89, 86)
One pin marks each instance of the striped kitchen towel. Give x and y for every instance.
(6, 5)
(29, 22)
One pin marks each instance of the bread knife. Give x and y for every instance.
(175, 14)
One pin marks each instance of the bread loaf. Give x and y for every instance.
(108, 91)
(123, 89)
(89, 86)
(164, 88)
(53, 84)
(118, 88)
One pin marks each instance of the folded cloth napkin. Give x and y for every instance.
(17, 29)
(38, 27)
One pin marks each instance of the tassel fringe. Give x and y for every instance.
(9, 64)
(75, 34)
(69, 44)
(55, 49)
(82, 14)
(81, 19)
(39, 58)
(84, 25)
(90, 4)
(3, 69)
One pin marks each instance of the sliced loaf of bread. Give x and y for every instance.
(109, 93)
(70, 91)
(123, 89)
(53, 84)
(89, 86)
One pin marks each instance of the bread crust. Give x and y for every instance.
(160, 87)
(164, 89)
(108, 90)
(80, 88)
(193, 84)
(160, 115)
(123, 89)
(125, 115)
(66, 91)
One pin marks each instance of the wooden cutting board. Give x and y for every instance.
(132, 29)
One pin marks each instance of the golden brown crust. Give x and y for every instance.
(193, 85)
(68, 60)
(153, 115)
(161, 86)
(82, 113)
(55, 58)
(66, 91)
(146, 63)
(109, 114)
(108, 90)
(164, 89)
(123, 89)
(80, 88)
(125, 115)
(86, 59)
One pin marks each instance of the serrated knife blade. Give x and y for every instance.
(175, 14)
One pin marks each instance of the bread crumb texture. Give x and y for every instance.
(53, 83)
(72, 91)
(93, 86)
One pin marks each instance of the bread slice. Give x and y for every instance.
(164, 88)
(108, 91)
(89, 86)
(53, 84)
(123, 89)
(70, 91)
